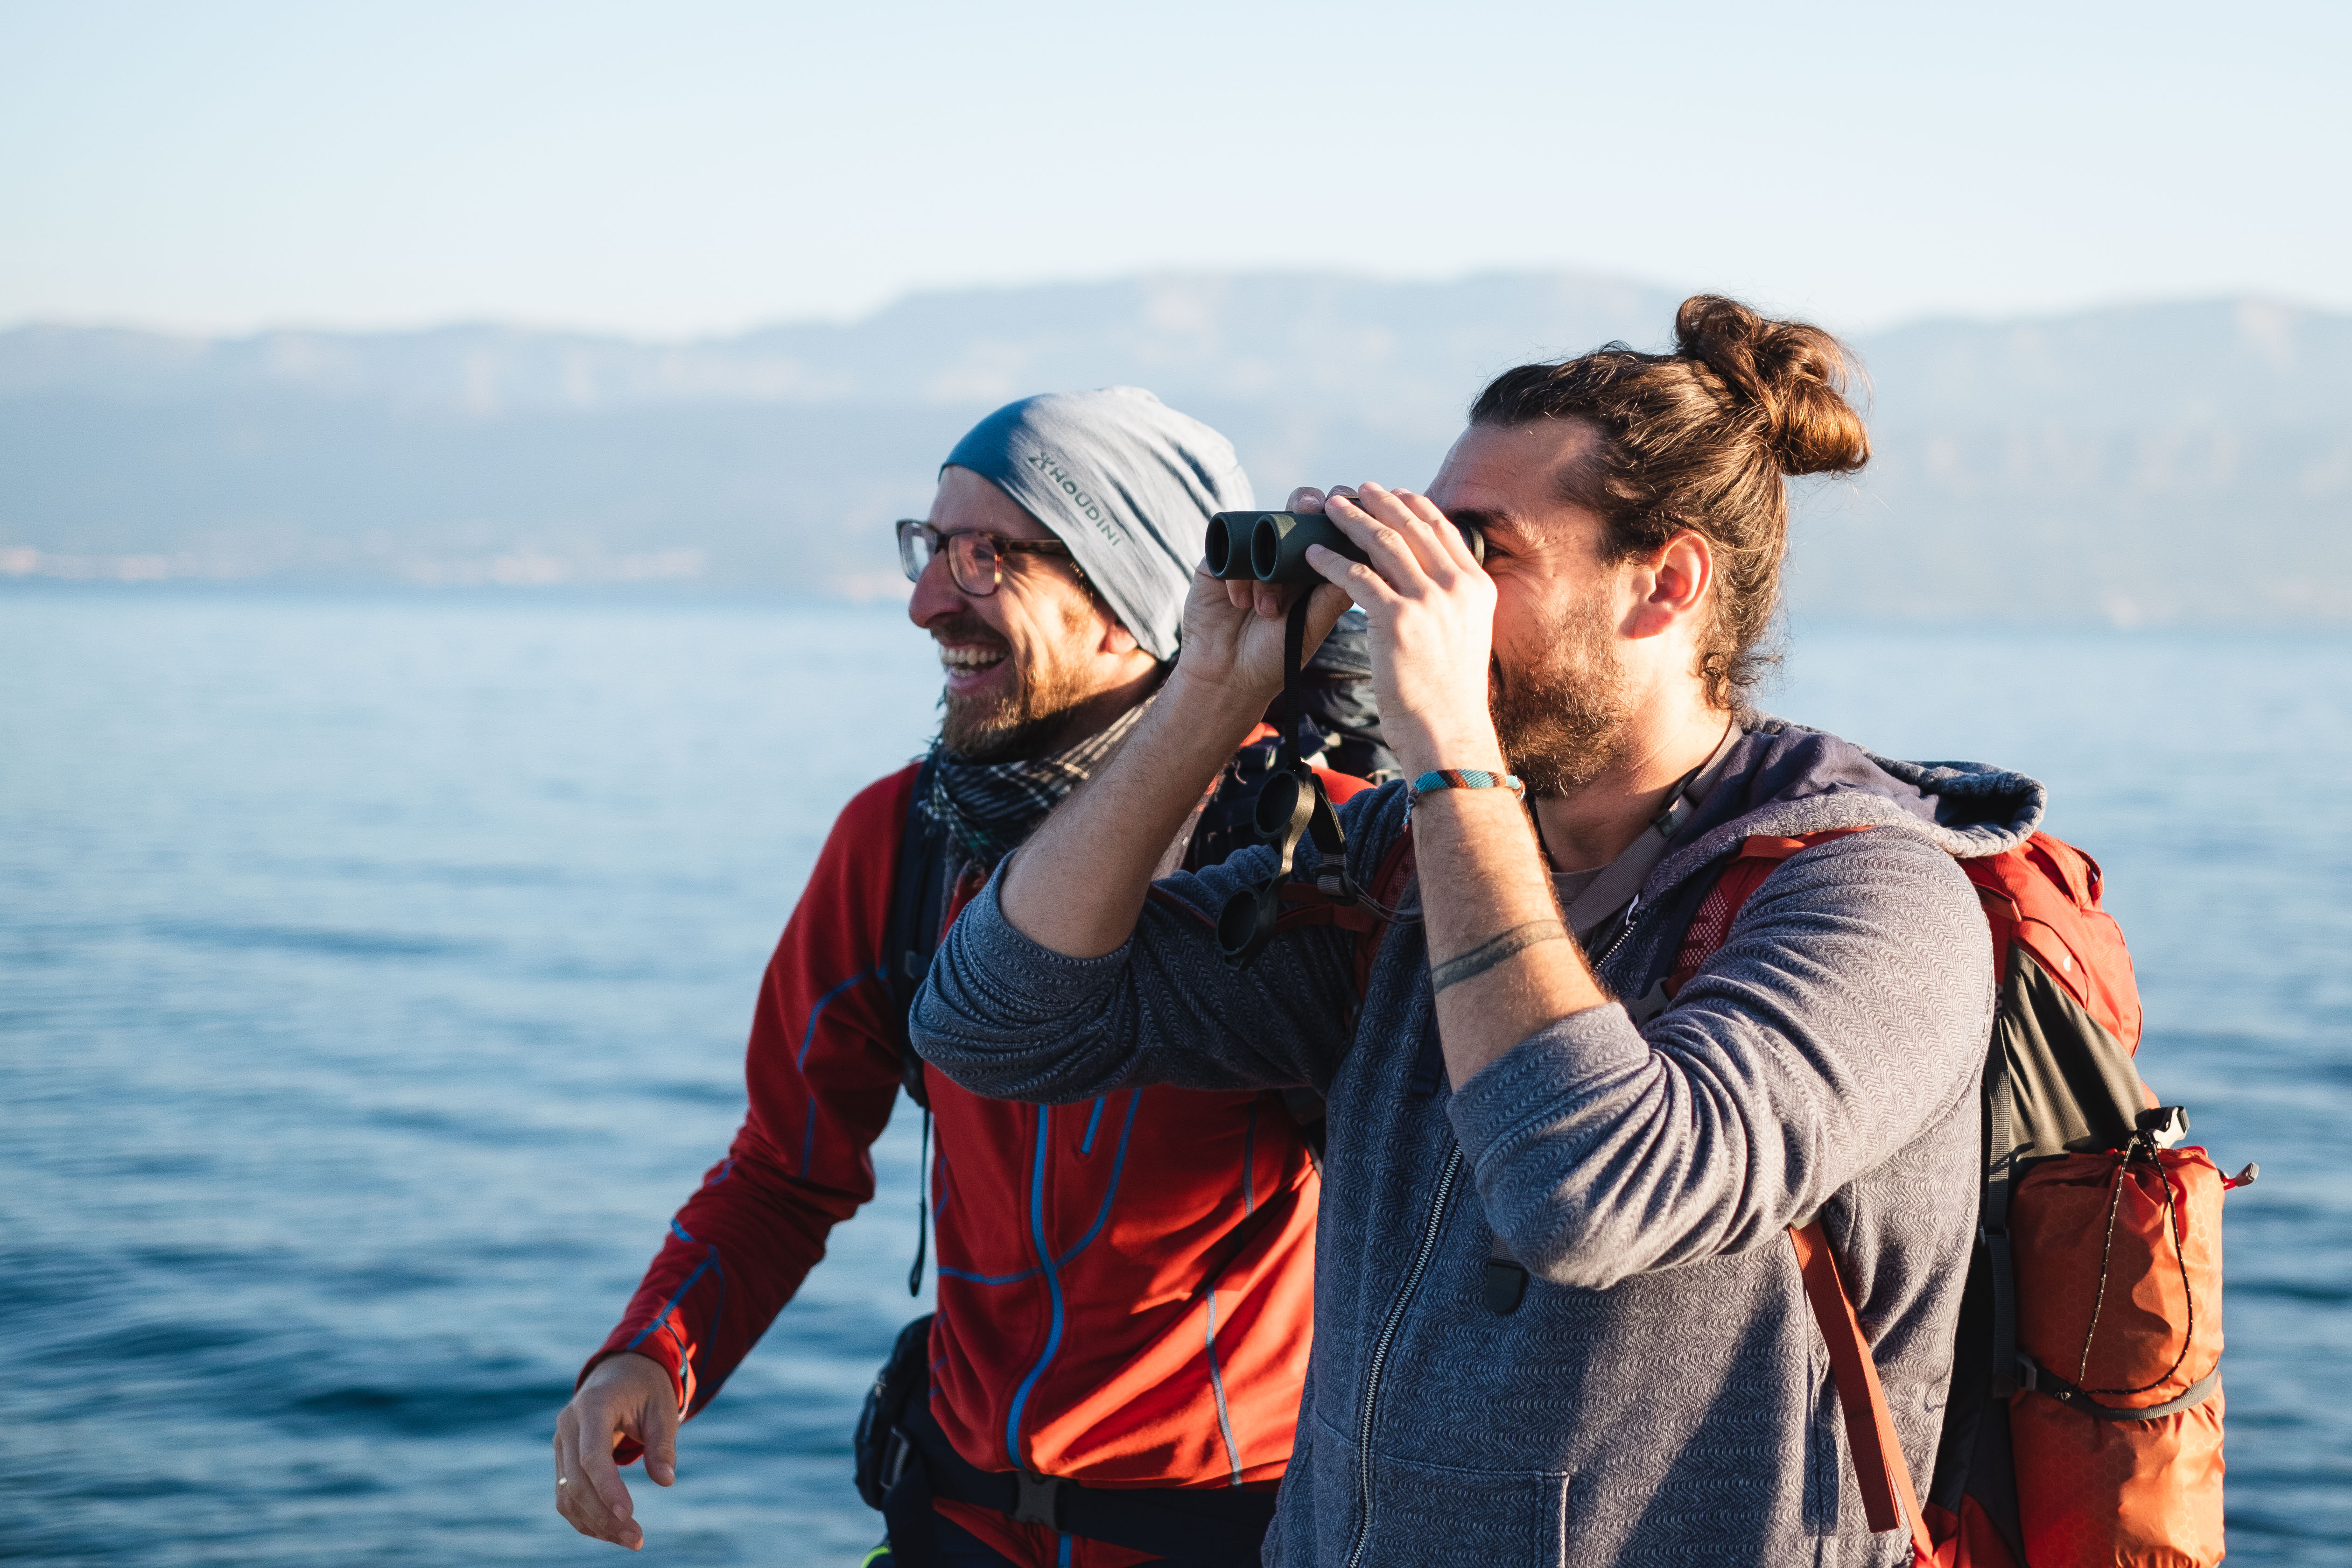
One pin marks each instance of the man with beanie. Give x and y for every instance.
(1124, 1284)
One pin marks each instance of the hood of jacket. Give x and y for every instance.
(1785, 780)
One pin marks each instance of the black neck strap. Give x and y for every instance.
(1294, 648)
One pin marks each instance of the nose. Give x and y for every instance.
(935, 593)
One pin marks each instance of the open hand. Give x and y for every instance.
(1432, 609)
(625, 1396)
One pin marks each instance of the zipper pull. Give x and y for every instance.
(1624, 930)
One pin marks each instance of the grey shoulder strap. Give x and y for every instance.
(1624, 877)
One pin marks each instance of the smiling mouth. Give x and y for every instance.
(970, 658)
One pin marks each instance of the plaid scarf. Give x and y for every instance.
(986, 810)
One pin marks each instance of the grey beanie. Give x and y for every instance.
(1123, 480)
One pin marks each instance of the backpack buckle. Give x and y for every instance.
(1036, 1499)
(2164, 1126)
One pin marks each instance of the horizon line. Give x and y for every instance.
(468, 320)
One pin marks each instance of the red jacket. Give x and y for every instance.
(1082, 1249)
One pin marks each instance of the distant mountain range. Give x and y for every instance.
(2182, 463)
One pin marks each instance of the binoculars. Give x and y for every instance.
(1271, 546)
(1292, 806)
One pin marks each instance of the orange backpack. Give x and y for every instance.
(2084, 1425)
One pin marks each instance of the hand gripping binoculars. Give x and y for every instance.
(1271, 546)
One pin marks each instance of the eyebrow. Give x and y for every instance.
(1001, 538)
(1488, 521)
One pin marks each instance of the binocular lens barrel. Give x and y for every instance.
(1271, 546)
(1227, 529)
(1245, 922)
(1278, 545)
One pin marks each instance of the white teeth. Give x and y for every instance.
(970, 658)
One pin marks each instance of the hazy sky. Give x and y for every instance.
(699, 167)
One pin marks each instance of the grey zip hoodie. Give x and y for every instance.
(1660, 1394)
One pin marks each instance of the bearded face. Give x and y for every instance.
(1561, 704)
(1023, 712)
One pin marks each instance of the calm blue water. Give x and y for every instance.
(373, 974)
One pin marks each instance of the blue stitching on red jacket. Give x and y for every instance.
(1117, 1163)
(808, 1036)
(1053, 1286)
(799, 1062)
(943, 1190)
(710, 1262)
(988, 1278)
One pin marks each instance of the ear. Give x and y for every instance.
(1117, 640)
(1670, 588)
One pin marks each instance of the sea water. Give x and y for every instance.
(374, 973)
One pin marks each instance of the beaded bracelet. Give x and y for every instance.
(1462, 778)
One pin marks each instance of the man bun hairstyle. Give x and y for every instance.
(1701, 439)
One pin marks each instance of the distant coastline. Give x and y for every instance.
(2140, 465)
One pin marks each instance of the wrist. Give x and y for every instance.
(1209, 709)
(1438, 780)
(1463, 747)
(637, 1366)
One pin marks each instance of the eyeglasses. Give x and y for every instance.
(975, 559)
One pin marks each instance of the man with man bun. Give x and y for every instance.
(1124, 1284)
(1557, 1315)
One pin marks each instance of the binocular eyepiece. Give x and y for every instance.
(1271, 546)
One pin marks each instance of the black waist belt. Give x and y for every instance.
(1223, 1527)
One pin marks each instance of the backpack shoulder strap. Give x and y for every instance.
(912, 934)
(1758, 858)
(1389, 880)
(1888, 1499)
(1878, 1461)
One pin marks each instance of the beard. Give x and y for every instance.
(1562, 722)
(1007, 725)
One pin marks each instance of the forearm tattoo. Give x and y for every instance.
(1494, 951)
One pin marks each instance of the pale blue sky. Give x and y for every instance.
(701, 167)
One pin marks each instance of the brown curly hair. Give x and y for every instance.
(1700, 439)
